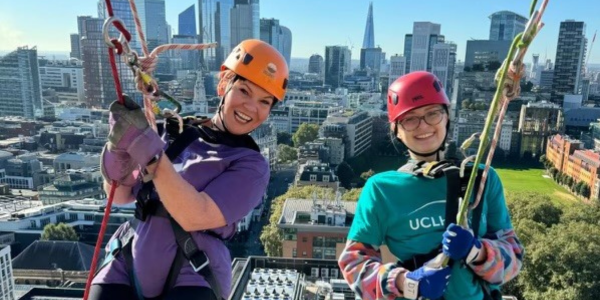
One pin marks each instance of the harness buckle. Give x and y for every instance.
(199, 261)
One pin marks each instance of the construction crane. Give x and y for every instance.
(587, 59)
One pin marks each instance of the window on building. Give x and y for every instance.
(294, 252)
(304, 239)
(325, 178)
(304, 253)
(313, 177)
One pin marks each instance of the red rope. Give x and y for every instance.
(107, 210)
(111, 194)
(115, 73)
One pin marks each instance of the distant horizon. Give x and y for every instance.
(65, 55)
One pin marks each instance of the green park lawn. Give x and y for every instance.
(524, 180)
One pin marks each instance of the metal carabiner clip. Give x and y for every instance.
(108, 40)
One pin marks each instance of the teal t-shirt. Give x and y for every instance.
(406, 213)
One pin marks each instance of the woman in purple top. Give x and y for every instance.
(206, 189)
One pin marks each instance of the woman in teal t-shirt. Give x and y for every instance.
(406, 213)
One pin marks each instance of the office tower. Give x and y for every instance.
(570, 57)
(20, 85)
(505, 25)
(187, 22)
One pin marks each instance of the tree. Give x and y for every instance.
(305, 133)
(284, 138)
(465, 103)
(366, 175)
(480, 106)
(553, 171)
(345, 173)
(493, 66)
(286, 153)
(561, 263)
(585, 191)
(533, 206)
(59, 232)
(352, 195)
(543, 159)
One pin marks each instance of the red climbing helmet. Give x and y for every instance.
(414, 90)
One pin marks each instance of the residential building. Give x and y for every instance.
(353, 127)
(505, 25)
(337, 64)
(315, 172)
(7, 280)
(20, 86)
(582, 165)
(537, 121)
(570, 59)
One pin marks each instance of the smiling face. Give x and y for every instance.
(425, 138)
(246, 107)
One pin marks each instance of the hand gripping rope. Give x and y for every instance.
(142, 67)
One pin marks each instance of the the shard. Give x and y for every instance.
(369, 39)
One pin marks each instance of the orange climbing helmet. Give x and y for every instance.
(261, 64)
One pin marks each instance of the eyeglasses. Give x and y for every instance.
(431, 118)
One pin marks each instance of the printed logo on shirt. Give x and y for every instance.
(426, 222)
(432, 219)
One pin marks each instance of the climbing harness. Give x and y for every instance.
(142, 67)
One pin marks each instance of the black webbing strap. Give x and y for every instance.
(197, 258)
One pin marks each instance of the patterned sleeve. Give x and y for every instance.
(504, 250)
(368, 277)
(504, 258)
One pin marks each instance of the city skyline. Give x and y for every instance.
(336, 22)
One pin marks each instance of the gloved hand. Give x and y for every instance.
(131, 133)
(460, 244)
(117, 165)
(428, 281)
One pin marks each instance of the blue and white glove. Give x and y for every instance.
(429, 281)
(460, 244)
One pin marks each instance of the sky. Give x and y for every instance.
(317, 23)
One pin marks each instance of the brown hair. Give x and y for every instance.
(225, 78)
